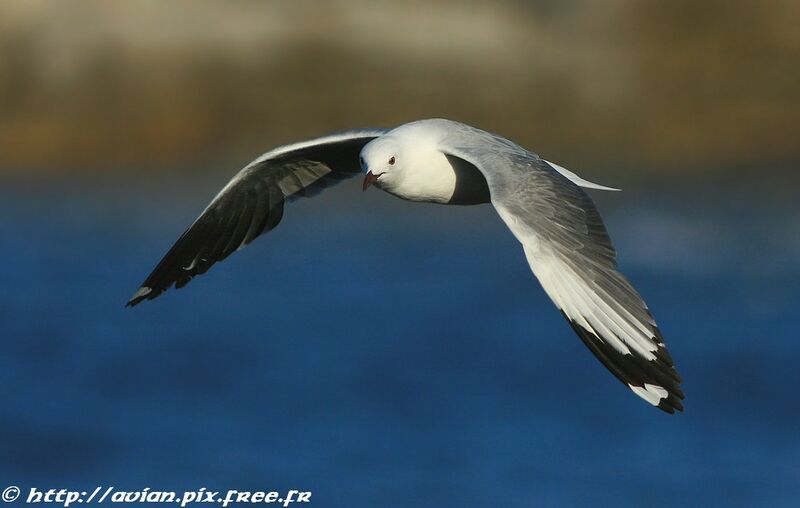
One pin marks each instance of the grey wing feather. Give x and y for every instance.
(570, 252)
(252, 203)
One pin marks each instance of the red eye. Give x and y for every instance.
(391, 161)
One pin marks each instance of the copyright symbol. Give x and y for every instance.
(11, 494)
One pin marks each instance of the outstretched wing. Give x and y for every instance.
(570, 252)
(252, 203)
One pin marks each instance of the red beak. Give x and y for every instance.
(369, 179)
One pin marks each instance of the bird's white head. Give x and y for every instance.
(382, 161)
(409, 163)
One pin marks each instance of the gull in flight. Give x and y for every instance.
(442, 161)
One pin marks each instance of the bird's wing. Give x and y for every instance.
(252, 203)
(570, 252)
(580, 182)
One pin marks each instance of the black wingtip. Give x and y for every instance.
(637, 373)
(671, 405)
(143, 293)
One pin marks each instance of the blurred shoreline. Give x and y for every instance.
(94, 87)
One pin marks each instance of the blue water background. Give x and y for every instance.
(383, 353)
